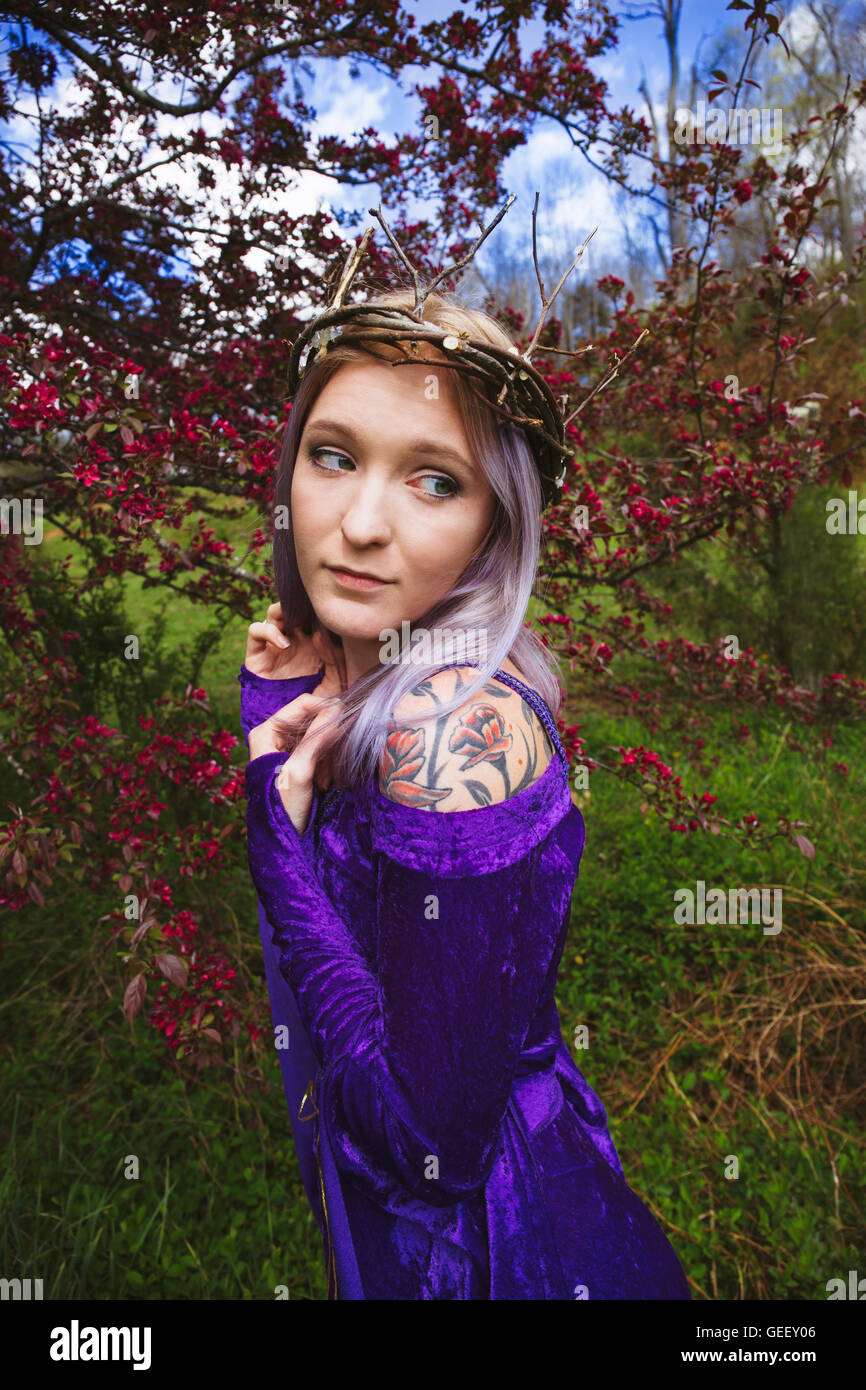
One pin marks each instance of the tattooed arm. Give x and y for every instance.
(485, 751)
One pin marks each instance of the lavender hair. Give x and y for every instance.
(491, 595)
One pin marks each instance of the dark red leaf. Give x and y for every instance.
(133, 996)
(173, 968)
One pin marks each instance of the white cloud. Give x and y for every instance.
(345, 105)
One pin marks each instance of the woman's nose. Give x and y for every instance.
(365, 520)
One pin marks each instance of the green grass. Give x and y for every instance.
(708, 1041)
(217, 1209)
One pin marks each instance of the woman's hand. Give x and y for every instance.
(306, 763)
(281, 732)
(277, 655)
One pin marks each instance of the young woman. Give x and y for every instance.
(414, 846)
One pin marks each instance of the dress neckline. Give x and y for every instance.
(482, 838)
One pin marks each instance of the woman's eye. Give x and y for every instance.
(437, 478)
(441, 488)
(318, 454)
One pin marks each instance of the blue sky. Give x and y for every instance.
(574, 198)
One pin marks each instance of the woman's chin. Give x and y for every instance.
(353, 627)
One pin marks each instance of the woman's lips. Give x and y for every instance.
(354, 581)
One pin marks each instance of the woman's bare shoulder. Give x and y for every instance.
(487, 749)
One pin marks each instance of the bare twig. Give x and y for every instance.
(352, 262)
(608, 376)
(458, 265)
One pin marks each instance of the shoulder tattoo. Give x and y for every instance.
(481, 753)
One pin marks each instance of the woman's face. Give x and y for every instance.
(385, 483)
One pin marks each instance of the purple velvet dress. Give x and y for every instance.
(449, 1146)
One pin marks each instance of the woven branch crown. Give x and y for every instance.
(524, 398)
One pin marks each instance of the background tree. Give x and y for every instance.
(143, 397)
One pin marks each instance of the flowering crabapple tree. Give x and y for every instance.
(143, 362)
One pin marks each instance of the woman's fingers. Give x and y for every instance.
(269, 636)
(268, 632)
(297, 710)
(307, 753)
(274, 735)
(288, 719)
(261, 635)
(296, 777)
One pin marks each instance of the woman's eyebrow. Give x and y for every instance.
(420, 447)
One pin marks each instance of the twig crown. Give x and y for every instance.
(532, 405)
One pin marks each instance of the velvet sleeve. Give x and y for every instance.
(262, 697)
(420, 1056)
